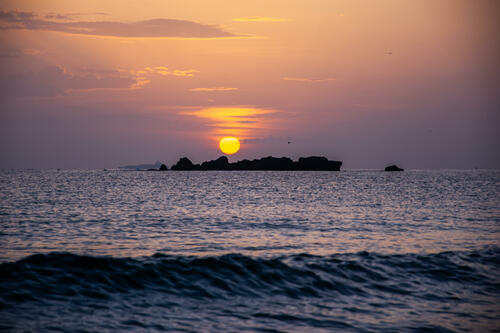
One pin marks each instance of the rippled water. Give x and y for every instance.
(257, 251)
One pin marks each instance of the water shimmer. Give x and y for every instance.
(353, 251)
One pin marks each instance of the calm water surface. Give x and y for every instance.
(356, 251)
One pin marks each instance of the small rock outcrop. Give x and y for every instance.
(163, 167)
(393, 168)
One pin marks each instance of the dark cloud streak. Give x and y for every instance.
(69, 16)
(16, 16)
(54, 80)
(54, 16)
(154, 28)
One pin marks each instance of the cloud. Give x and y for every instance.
(188, 72)
(270, 139)
(69, 16)
(304, 79)
(241, 121)
(142, 79)
(214, 89)
(31, 52)
(16, 16)
(16, 53)
(55, 16)
(154, 28)
(55, 80)
(260, 19)
(162, 70)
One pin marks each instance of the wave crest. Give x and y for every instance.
(57, 275)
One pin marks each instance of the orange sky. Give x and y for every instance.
(105, 83)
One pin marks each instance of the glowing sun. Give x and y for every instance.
(229, 145)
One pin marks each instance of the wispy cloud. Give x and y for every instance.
(162, 70)
(55, 16)
(186, 72)
(59, 81)
(56, 80)
(16, 53)
(31, 52)
(16, 16)
(70, 16)
(154, 28)
(241, 121)
(143, 76)
(213, 89)
(305, 79)
(260, 19)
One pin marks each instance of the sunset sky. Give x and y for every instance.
(94, 84)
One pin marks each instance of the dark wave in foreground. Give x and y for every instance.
(353, 288)
(233, 274)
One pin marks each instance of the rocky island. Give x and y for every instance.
(313, 163)
(393, 168)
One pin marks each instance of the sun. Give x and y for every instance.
(229, 145)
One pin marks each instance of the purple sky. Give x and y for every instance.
(99, 84)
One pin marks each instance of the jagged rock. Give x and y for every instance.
(185, 164)
(393, 168)
(219, 164)
(318, 163)
(242, 165)
(274, 163)
(266, 163)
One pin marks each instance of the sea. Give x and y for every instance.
(249, 251)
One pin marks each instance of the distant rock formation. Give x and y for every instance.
(162, 167)
(142, 166)
(313, 163)
(393, 168)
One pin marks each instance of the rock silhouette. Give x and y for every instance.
(219, 164)
(318, 163)
(162, 167)
(393, 168)
(185, 164)
(313, 163)
(154, 166)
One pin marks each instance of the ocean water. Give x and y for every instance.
(349, 251)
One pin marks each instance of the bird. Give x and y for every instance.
(388, 53)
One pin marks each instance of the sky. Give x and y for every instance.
(99, 84)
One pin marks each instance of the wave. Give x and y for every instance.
(432, 277)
